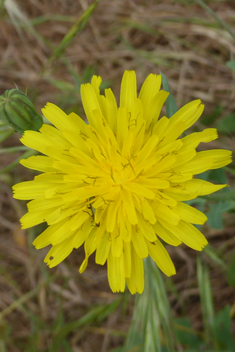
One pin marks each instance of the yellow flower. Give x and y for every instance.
(118, 183)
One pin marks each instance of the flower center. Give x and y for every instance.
(122, 172)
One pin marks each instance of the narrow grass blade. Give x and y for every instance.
(19, 302)
(74, 30)
(213, 254)
(96, 314)
(162, 304)
(152, 327)
(10, 150)
(5, 133)
(19, 19)
(206, 302)
(171, 107)
(27, 154)
(1, 3)
(218, 19)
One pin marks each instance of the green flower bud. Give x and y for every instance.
(17, 110)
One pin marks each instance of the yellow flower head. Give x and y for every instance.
(118, 183)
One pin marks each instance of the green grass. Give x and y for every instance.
(160, 318)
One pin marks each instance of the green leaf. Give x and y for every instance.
(185, 333)
(6, 132)
(207, 120)
(215, 255)
(226, 125)
(223, 332)
(171, 107)
(117, 349)
(204, 175)
(10, 166)
(219, 176)
(231, 271)
(74, 30)
(96, 314)
(231, 64)
(216, 212)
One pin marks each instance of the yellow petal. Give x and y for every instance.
(146, 229)
(90, 243)
(37, 205)
(191, 189)
(112, 215)
(135, 282)
(140, 244)
(32, 219)
(188, 234)
(116, 273)
(58, 253)
(81, 235)
(161, 127)
(220, 157)
(111, 105)
(148, 212)
(209, 159)
(55, 137)
(77, 220)
(166, 235)
(149, 89)
(36, 140)
(188, 114)
(122, 125)
(76, 123)
(161, 258)
(39, 163)
(117, 244)
(56, 116)
(90, 102)
(53, 234)
(129, 207)
(193, 139)
(95, 83)
(201, 187)
(190, 214)
(30, 189)
(164, 212)
(103, 248)
(136, 188)
(128, 92)
(127, 258)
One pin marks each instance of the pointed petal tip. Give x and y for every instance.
(203, 245)
(173, 272)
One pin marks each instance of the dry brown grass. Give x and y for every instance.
(176, 37)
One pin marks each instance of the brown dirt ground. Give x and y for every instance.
(176, 37)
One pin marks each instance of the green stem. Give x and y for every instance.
(1, 3)
(229, 169)
(6, 133)
(221, 196)
(23, 299)
(207, 305)
(27, 154)
(222, 23)
(13, 149)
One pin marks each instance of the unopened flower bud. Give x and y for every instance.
(17, 110)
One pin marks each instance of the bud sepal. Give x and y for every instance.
(17, 110)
